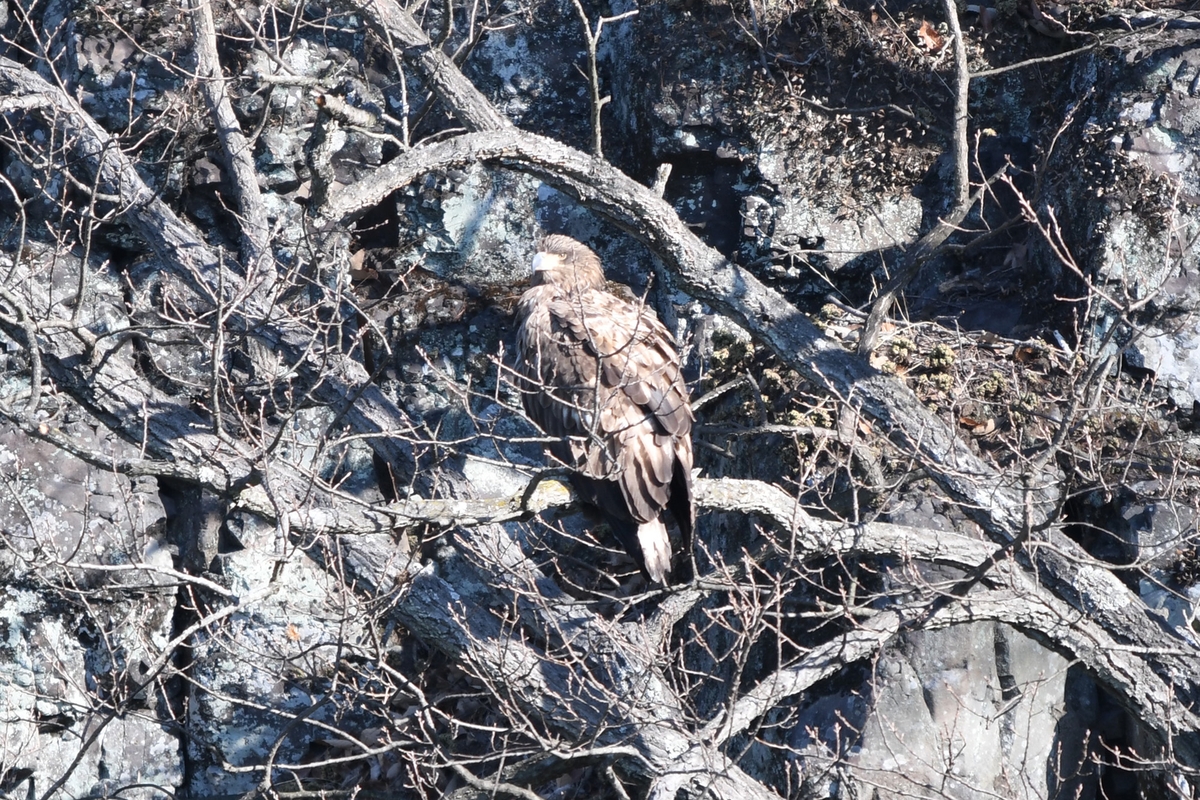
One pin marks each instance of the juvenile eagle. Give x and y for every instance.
(601, 374)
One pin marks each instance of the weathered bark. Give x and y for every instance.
(397, 27)
(175, 242)
(611, 696)
(597, 688)
(256, 250)
(1022, 604)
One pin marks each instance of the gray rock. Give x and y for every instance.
(62, 511)
(46, 712)
(277, 654)
(844, 232)
(940, 722)
(1128, 208)
(476, 226)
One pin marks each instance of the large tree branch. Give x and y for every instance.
(175, 242)
(1027, 609)
(596, 688)
(256, 246)
(397, 27)
(1022, 603)
(809, 537)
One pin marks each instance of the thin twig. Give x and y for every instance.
(591, 39)
(1030, 62)
(928, 246)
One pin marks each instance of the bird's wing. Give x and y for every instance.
(634, 383)
(559, 386)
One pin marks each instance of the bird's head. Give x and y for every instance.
(562, 261)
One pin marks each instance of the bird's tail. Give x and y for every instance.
(656, 549)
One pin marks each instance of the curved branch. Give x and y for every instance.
(176, 243)
(1024, 604)
(598, 689)
(181, 248)
(1027, 609)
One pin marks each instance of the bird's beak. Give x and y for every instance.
(541, 262)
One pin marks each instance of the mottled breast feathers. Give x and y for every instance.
(601, 374)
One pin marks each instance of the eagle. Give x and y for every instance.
(600, 374)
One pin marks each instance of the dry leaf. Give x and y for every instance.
(1025, 354)
(357, 273)
(293, 633)
(1042, 22)
(930, 38)
(978, 427)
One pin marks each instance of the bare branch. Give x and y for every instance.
(962, 90)
(395, 25)
(1030, 62)
(181, 248)
(591, 40)
(962, 203)
(176, 243)
(238, 154)
(998, 503)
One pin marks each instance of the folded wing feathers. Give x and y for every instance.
(571, 347)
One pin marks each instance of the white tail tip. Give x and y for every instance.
(656, 549)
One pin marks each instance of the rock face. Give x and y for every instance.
(82, 629)
(952, 725)
(1145, 222)
(155, 634)
(278, 655)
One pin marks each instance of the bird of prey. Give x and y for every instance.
(601, 374)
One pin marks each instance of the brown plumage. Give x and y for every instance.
(602, 373)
